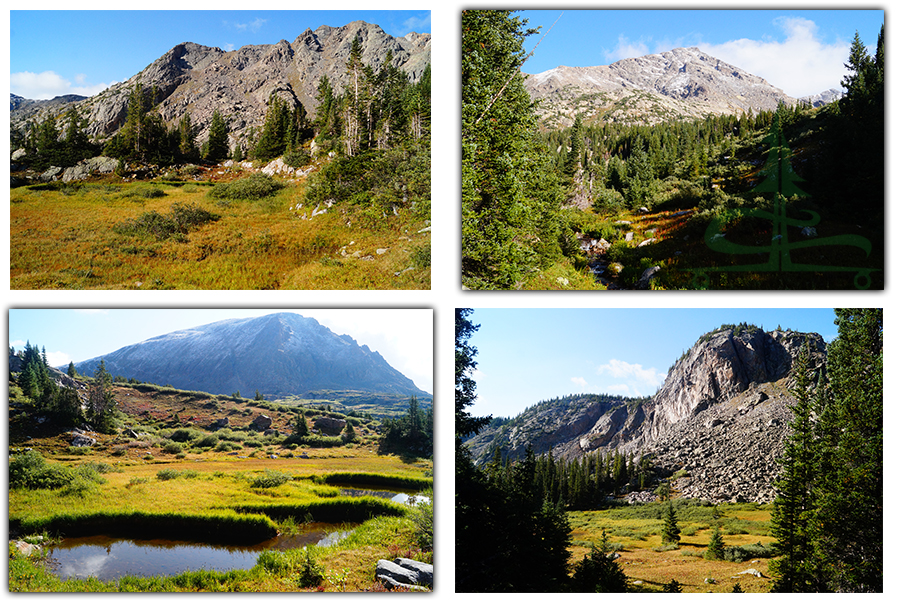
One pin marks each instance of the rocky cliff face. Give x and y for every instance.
(722, 415)
(199, 80)
(680, 84)
(278, 355)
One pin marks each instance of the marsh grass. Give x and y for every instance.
(92, 237)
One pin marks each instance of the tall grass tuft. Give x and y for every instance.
(220, 526)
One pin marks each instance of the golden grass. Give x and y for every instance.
(65, 239)
(686, 564)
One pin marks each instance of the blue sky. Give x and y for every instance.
(84, 52)
(530, 355)
(800, 51)
(404, 337)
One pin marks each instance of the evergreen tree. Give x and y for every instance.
(71, 370)
(576, 147)
(716, 547)
(793, 524)
(301, 428)
(670, 533)
(508, 537)
(599, 572)
(510, 198)
(217, 143)
(271, 143)
(850, 513)
(101, 401)
(76, 145)
(187, 145)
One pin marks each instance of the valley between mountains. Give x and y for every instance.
(725, 480)
(669, 171)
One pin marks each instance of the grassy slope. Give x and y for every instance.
(64, 239)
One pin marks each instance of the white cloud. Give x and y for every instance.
(48, 84)
(802, 64)
(418, 24)
(252, 26)
(579, 381)
(638, 380)
(58, 358)
(627, 49)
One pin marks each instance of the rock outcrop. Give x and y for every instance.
(405, 573)
(721, 417)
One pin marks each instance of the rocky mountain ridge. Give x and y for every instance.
(722, 416)
(196, 79)
(684, 83)
(278, 355)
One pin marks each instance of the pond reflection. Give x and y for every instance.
(108, 558)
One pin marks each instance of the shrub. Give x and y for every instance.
(752, 551)
(144, 191)
(270, 479)
(208, 441)
(172, 448)
(296, 158)
(311, 571)
(252, 188)
(180, 220)
(184, 435)
(30, 470)
(167, 474)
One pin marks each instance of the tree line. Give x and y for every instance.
(62, 405)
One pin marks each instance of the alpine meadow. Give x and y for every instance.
(290, 165)
(135, 471)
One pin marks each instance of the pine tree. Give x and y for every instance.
(101, 401)
(301, 428)
(670, 533)
(271, 142)
(510, 199)
(187, 145)
(599, 572)
(716, 547)
(217, 142)
(850, 511)
(793, 524)
(71, 370)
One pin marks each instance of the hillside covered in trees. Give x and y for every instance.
(791, 198)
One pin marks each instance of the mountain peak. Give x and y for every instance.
(278, 354)
(685, 82)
